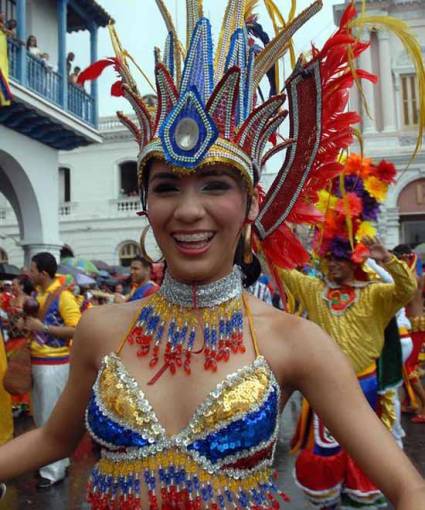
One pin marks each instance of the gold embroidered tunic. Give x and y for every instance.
(359, 330)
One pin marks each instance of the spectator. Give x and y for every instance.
(69, 59)
(141, 283)
(11, 26)
(32, 46)
(73, 77)
(50, 358)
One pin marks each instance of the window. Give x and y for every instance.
(127, 253)
(128, 176)
(8, 7)
(412, 229)
(3, 256)
(64, 185)
(409, 94)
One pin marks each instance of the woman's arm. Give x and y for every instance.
(61, 434)
(324, 376)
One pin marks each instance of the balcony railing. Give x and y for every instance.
(127, 205)
(44, 81)
(80, 103)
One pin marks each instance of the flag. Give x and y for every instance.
(5, 93)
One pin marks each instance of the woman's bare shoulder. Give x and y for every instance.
(286, 339)
(102, 328)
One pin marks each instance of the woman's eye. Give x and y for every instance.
(164, 188)
(216, 186)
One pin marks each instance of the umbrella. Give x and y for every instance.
(83, 265)
(8, 271)
(101, 265)
(79, 277)
(420, 249)
(104, 274)
(120, 270)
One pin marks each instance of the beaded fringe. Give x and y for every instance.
(113, 486)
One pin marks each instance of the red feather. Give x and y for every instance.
(116, 89)
(95, 70)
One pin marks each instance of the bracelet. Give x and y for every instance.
(45, 328)
(2, 490)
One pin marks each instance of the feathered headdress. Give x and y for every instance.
(210, 109)
(351, 206)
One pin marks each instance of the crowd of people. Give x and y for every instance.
(9, 26)
(49, 333)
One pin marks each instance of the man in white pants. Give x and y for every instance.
(52, 332)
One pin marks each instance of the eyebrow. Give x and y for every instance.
(164, 175)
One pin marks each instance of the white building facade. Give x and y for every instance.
(47, 114)
(94, 187)
(389, 131)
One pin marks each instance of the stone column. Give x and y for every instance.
(392, 233)
(32, 249)
(365, 62)
(386, 82)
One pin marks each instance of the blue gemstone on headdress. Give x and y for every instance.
(187, 132)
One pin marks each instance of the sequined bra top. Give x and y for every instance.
(221, 459)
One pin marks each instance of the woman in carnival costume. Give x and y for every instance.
(183, 390)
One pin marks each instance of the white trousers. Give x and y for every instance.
(48, 384)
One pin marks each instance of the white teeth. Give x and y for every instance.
(193, 238)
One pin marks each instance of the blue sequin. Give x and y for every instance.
(110, 431)
(240, 435)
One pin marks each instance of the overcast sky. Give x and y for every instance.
(140, 28)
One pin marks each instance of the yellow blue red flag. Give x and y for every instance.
(5, 93)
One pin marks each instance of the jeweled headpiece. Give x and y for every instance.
(211, 109)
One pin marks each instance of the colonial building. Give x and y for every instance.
(48, 114)
(389, 131)
(95, 186)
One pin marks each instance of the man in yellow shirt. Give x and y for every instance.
(355, 314)
(6, 421)
(52, 332)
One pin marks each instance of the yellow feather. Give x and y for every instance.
(194, 10)
(233, 19)
(412, 47)
(278, 46)
(250, 7)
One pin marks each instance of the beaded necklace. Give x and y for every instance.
(173, 315)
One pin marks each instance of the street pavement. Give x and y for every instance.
(69, 495)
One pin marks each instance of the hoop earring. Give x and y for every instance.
(145, 254)
(247, 244)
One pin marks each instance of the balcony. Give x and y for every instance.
(45, 106)
(127, 206)
(44, 81)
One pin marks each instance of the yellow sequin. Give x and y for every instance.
(239, 398)
(360, 330)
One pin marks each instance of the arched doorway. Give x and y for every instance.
(19, 192)
(127, 252)
(411, 204)
(3, 256)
